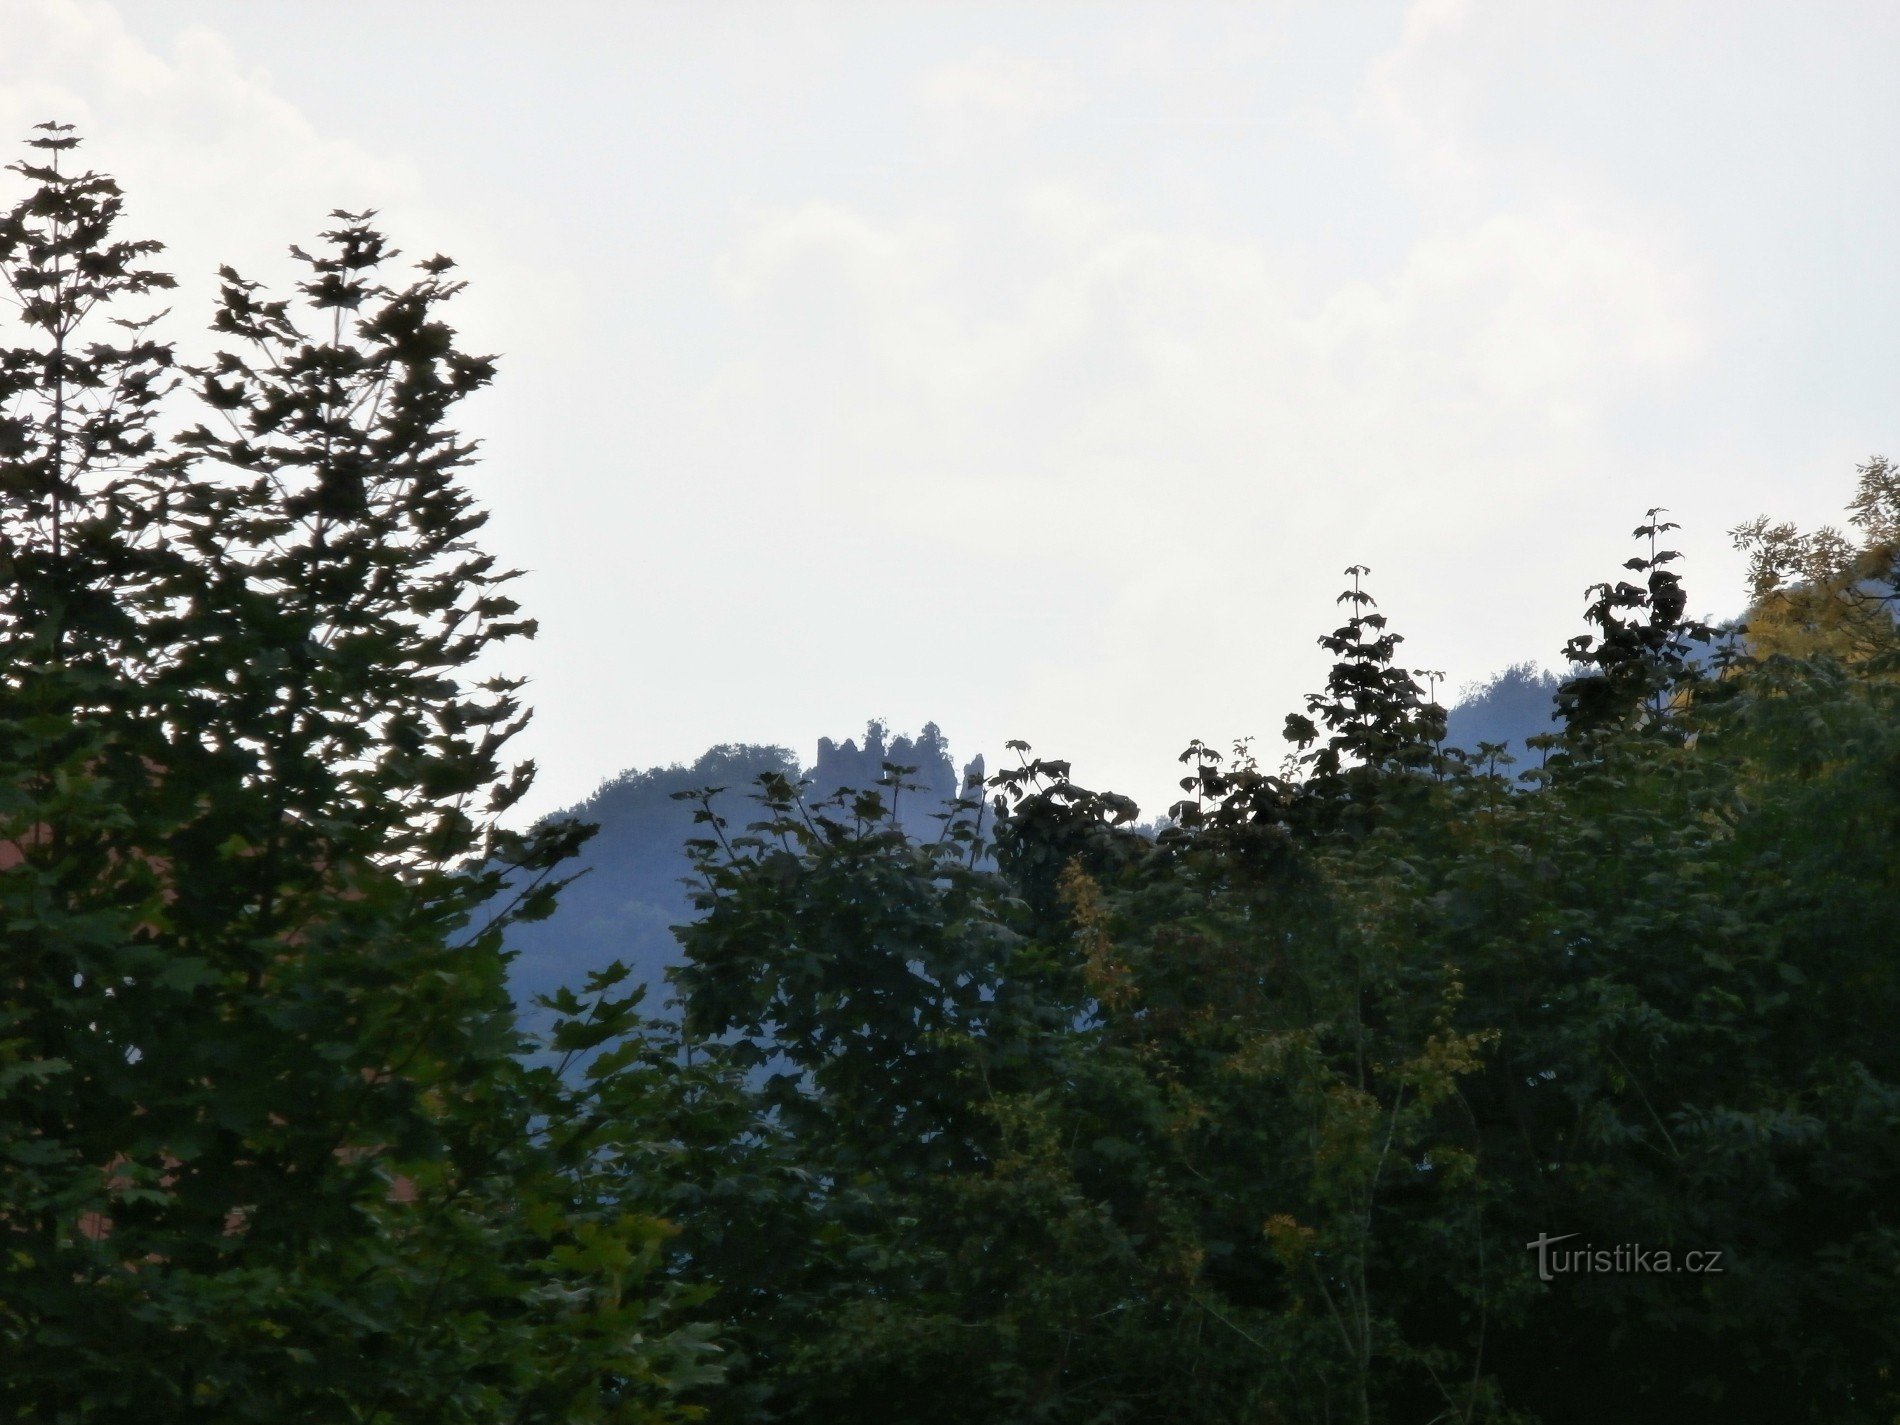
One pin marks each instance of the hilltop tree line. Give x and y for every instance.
(1030, 1115)
(629, 884)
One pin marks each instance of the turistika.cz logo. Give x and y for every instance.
(1554, 1261)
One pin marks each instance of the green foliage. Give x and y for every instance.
(1031, 1117)
(1254, 1120)
(268, 1149)
(630, 882)
(1633, 663)
(629, 886)
(1821, 592)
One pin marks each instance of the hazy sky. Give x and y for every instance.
(1036, 368)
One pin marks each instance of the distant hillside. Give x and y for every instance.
(1514, 705)
(632, 888)
(1521, 702)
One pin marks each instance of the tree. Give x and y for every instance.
(1252, 1120)
(270, 1147)
(1107, 1129)
(1821, 592)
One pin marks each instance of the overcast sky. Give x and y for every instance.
(1037, 368)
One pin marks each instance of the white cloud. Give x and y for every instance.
(1202, 424)
(190, 133)
(1188, 360)
(1062, 354)
(223, 169)
(996, 85)
(1420, 99)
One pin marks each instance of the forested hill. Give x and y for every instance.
(632, 888)
(1521, 702)
(1518, 703)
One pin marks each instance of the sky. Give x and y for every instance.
(1036, 368)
